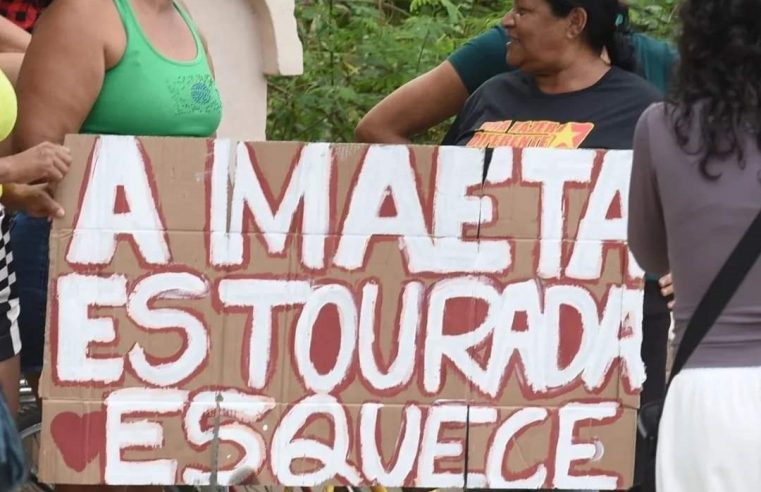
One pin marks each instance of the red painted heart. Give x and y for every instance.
(79, 437)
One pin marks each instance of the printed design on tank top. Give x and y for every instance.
(194, 94)
(523, 134)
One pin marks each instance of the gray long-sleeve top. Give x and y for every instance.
(682, 222)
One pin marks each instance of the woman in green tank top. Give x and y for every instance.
(130, 67)
(124, 67)
(147, 93)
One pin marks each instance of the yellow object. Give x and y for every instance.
(8, 107)
(8, 110)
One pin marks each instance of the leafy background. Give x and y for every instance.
(358, 51)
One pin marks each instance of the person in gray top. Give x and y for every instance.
(695, 189)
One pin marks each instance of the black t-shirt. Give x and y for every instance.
(509, 110)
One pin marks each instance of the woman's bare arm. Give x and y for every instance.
(63, 71)
(414, 107)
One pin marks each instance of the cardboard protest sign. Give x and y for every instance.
(298, 314)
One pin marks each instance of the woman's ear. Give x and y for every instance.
(577, 22)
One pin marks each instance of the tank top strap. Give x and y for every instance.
(136, 38)
(201, 58)
(188, 22)
(129, 19)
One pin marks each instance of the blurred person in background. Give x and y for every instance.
(695, 188)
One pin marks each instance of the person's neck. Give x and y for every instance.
(584, 71)
(157, 5)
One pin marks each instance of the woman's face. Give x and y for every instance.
(538, 39)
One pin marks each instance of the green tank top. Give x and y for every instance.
(149, 94)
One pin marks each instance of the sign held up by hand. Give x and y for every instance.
(298, 314)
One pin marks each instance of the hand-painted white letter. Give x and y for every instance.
(553, 168)
(143, 433)
(169, 286)
(569, 451)
(309, 186)
(406, 451)
(286, 447)
(76, 330)
(595, 227)
(118, 163)
(400, 370)
(246, 410)
(262, 296)
(343, 300)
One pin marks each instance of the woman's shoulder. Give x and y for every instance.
(516, 80)
(481, 58)
(94, 18)
(76, 9)
(655, 112)
(656, 125)
(632, 85)
(498, 91)
(655, 116)
(490, 41)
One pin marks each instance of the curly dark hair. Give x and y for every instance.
(718, 81)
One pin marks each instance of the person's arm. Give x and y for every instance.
(646, 228)
(63, 71)
(438, 94)
(414, 107)
(13, 39)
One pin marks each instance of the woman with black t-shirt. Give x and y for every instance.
(556, 46)
(565, 95)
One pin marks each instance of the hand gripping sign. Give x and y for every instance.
(300, 314)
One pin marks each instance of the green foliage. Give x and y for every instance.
(358, 51)
(654, 17)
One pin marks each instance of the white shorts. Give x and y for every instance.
(709, 438)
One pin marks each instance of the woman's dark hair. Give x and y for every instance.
(718, 81)
(606, 28)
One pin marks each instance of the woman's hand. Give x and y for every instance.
(44, 162)
(667, 289)
(415, 107)
(35, 200)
